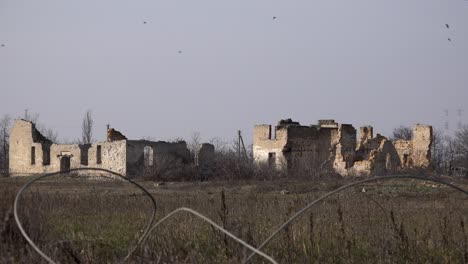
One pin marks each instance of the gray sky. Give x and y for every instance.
(380, 62)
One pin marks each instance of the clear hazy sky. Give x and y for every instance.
(380, 62)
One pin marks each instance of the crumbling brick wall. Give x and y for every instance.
(295, 146)
(206, 155)
(333, 146)
(162, 154)
(114, 135)
(268, 149)
(32, 153)
(345, 147)
(422, 143)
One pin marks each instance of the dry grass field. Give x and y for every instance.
(75, 220)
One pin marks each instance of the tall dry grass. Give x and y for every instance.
(77, 221)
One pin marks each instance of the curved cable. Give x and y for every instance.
(30, 182)
(206, 219)
(344, 188)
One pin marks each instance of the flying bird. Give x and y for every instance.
(180, 51)
(3, 45)
(449, 39)
(144, 22)
(274, 17)
(447, 25)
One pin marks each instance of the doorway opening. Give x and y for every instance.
(272, 159)
(65, 164)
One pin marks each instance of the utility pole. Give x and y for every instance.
(240, 144)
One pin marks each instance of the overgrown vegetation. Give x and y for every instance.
(82, 221)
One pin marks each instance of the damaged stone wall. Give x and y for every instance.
(332, 146)
(206, 155)
(422, 144)
(113, 135)
(25, 150)
(309, 147)
(417, 151)
(32, 153)
(345, 146)
(268, 149)
(144, 153)
(294, 146)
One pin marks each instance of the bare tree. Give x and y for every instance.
(449, 154)
(87, 128)
(30, 116)
(443, 152)
(5, 124)
(437, 151)
(47, 132)
(221, 145)
(402, 132)
(194, 146)
(461, 146)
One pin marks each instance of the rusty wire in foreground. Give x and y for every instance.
(289, 221)
(148, 229)
(30, 182)
(211, 222)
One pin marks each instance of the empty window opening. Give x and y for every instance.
(98, 155)
(84, 149)
(45, 155)
(33, 155)
(271, 159)
(148, 155)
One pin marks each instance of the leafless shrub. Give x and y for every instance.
(87, 128)
(402, 132)
(5, 125)
(461, 147)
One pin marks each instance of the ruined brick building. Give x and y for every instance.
(323, 147)
(32, 153)
(332, 146)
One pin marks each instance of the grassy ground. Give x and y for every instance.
(87, 221)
